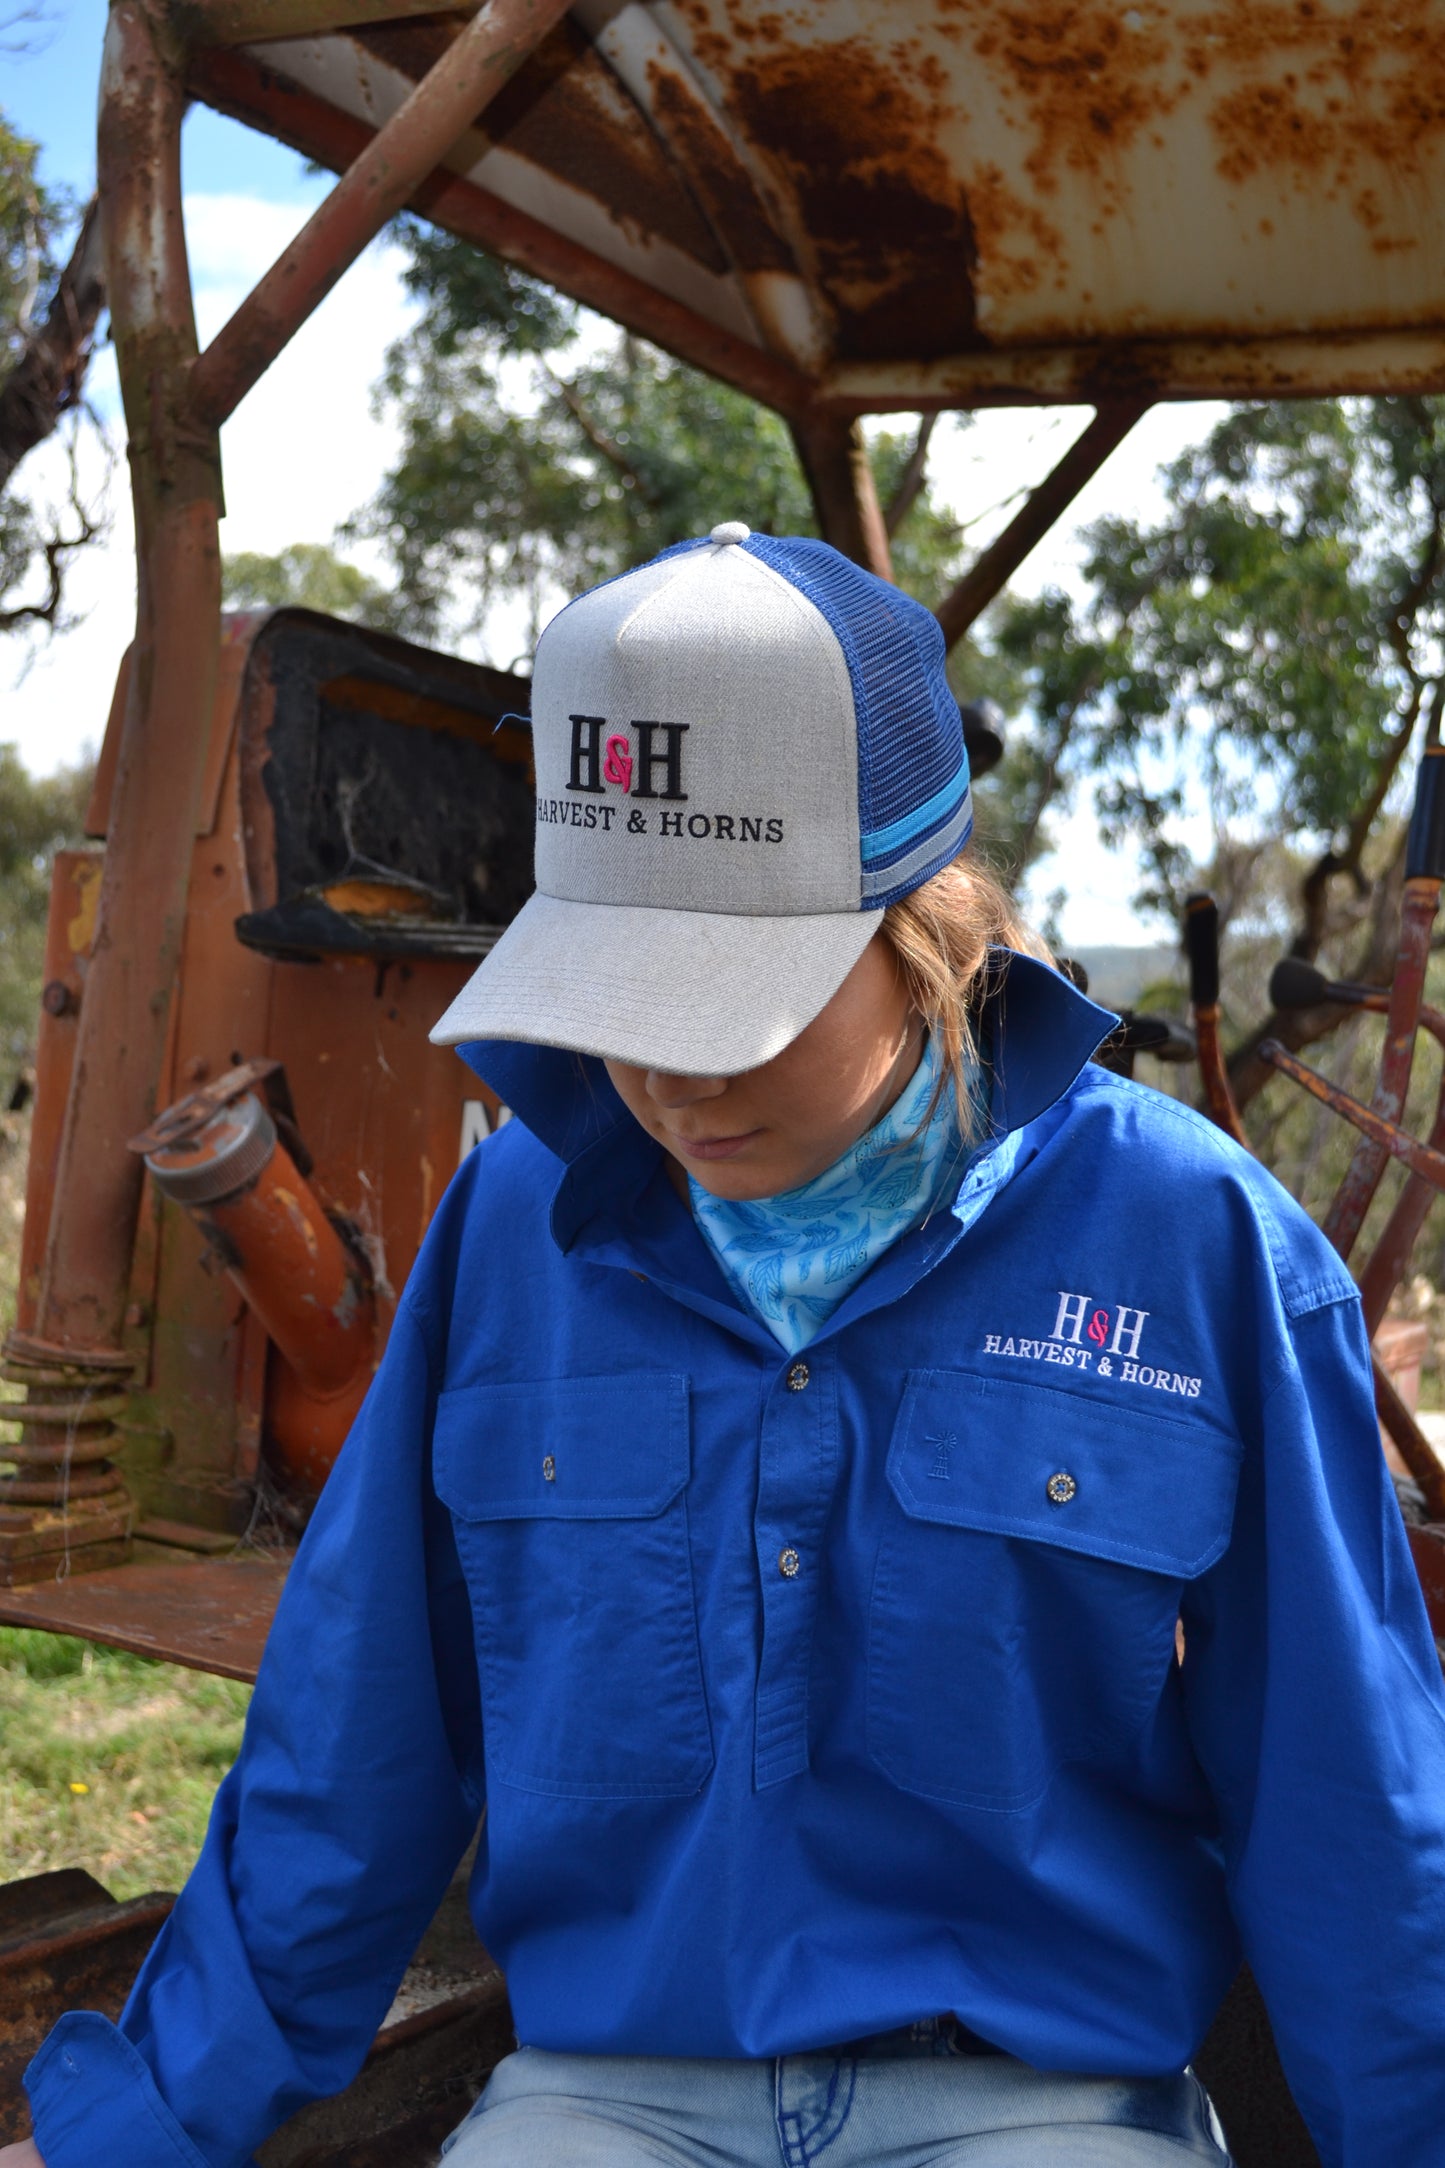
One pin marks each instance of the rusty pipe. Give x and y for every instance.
(403, 152)
(1385, 1137)
(1391, 1254)
(227, 1169)
(1201, 947)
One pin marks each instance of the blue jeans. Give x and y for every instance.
(925, 2097)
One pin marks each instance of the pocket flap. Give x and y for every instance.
(612, 1448)
(1084, 1473)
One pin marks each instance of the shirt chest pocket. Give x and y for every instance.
(1028, 1576)
(569, 1502)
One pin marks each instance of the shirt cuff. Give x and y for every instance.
(93, 2098)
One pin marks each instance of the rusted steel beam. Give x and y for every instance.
(999, 562)
(246, 22)
(234, 83)
(1379, 359)
(176, 484)
(373, 189)
(1385, 1137)
(835, 460)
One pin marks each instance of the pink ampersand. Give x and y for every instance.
(617, 766)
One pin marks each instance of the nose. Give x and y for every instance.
(669, 1090)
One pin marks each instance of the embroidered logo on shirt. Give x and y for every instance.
(1115, 1330)
(940, 1468)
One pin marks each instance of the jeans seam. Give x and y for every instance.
(800, 2151)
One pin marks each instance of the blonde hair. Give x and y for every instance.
(941, 935)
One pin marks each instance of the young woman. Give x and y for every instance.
(811, 1432)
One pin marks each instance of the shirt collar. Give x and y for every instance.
(1040, 1029)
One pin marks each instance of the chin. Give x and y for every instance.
(739, 1185)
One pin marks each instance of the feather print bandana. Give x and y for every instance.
(791, 1259)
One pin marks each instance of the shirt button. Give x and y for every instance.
(1061, 1488)
(549, 1469)
(788, 1563)
(798, 1377)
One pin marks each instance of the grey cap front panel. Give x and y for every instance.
(692, 992)
(750, 704)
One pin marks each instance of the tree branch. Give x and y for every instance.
(47, 378)
(910, 482)
(56, 550)
(598, 438)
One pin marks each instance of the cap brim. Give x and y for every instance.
(696, 993)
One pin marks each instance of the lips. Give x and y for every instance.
(714, 1147)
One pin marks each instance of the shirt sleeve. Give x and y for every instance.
(1314, 1692)
(331, 1842)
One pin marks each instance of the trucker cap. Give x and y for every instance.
(744, 750)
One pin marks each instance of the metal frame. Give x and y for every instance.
(176, 399)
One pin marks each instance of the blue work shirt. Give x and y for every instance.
(820, 1694)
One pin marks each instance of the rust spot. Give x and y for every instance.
(566, 112)
(1091, 77)
(853, 133)
(720, 183)
(1015, 240)
(1321, 99)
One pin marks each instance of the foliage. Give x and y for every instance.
(31, 220)
(43, 358)
(305, 575)
(1272, 642)
(108, 1761)
(543, 452)
(37, 815)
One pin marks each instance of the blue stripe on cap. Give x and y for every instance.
(878, 842)
(885, 884)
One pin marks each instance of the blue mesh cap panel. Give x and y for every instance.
(910, 733)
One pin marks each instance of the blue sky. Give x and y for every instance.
(50, 94)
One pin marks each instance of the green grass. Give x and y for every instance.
(108, 1761)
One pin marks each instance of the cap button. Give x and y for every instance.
(731, 530)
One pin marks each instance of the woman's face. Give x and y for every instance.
(776, 1126)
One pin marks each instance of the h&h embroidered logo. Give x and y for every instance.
(1102, 1336)
(650, 769)
(1127, 1324)
(588, 769)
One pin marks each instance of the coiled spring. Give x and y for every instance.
(67, 1424)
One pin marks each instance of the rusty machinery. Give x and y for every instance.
(305, 834)
(1297, 985)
